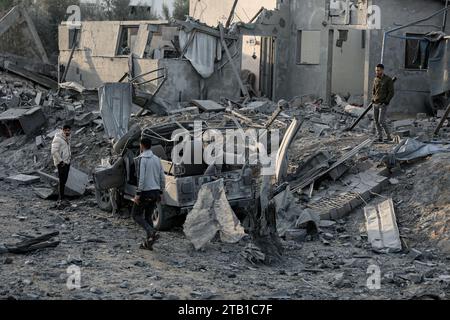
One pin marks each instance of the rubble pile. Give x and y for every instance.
(29, 153)
(332, 173)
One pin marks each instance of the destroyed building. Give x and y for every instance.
(337, 204)
(151, 54)
(327, 47)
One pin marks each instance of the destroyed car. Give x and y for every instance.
(116, 181)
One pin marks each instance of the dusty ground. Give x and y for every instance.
(113, 267)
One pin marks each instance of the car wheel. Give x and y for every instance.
(103, 198)
(163, 217)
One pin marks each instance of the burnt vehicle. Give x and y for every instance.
(116, 181)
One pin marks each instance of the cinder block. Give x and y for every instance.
(23, 179)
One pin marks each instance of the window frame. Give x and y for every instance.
(405, 66)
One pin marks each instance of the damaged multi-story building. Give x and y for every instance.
(293, 48)
(152, 55)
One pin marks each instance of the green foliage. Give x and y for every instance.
(166, 12)
(181, 9)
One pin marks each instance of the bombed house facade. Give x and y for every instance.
(149, 54)
(321, 47)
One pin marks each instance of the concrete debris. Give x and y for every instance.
(44, 193)
(17, 121)
(23, 179)
(72, 86)
(211, 214)
(208, 105)
(76, 183)
(290, 215)
(253, 254)
(410, 149)
(191, 110)
(382, 227)
(327, 169)
(31, 244)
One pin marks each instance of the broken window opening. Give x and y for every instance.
(308, 47)
(417, 52)
(127, 40)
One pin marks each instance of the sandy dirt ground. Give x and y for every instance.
(105, 248)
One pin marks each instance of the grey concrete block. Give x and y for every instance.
(23, 179)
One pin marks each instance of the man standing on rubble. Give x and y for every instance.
(151, 185)
(62, 155)
(382, 94)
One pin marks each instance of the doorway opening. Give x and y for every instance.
(348, 65)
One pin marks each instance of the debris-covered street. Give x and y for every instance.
(352, 203)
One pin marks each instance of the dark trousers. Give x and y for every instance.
(142, 212)
(63, 174)
(380, 115)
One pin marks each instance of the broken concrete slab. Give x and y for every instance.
(22, 179)
(76, 183)
(44, 193)
(359, 188)
(208, 105)
(291, 216)
(265, 106)
(212, 213)
(38, 98)
(382, 229)
(52, 134)
(17, 121)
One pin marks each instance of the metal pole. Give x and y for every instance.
(230, 18)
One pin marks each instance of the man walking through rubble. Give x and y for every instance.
(382, 94)
(151, 184)
(61, 154)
